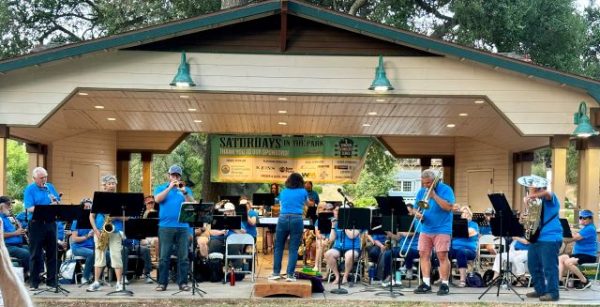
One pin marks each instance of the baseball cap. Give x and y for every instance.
(175, 169)
(228, 207)
(489, 211)
(582, 213)
(6, 200)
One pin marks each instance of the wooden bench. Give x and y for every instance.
(299, 288)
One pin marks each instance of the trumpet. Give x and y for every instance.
(422, 205)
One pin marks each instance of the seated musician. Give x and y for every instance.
(218, 237)
(82, 244)
(518, 258)
(347, 243)
(487, 230)
(584, 251)
(465, 249)
(150, 207)
(24, 217)
(322, 239)
(13, 235)
(249, 225)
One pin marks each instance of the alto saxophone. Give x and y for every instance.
(107, 228)
(534, 216)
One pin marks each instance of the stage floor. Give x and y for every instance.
(242, 294)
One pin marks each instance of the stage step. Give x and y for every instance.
(299, 288)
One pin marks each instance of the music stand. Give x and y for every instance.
(139, 229)
(504, 224)
(234, 199)
(196, 215)
(119, 205)
(394, 218)
(267, 200)
(324, 219)
(51, 214)
(566, 228)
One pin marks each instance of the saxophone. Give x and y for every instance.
(107, 229)
(309, 238)
(534, 216)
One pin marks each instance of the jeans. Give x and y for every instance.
(462, 256)
(42, 237)
(21, 253)
(88, 253)
(542, 260)
(374, 252)
(168, 236)
(140, 251)
(288, 224)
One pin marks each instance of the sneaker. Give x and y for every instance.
(548, 298)
(422, 289)
(386, 284)
(95, 286)
(409, 274)
(444, 290)
(274, 277)
(149, 280)
(583, 286)
(290, 279)
(119, 286)
(126, 280)
(33, 287)
(532, 295)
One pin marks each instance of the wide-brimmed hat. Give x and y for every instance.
(533, 181)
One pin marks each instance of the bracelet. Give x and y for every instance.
(185, 193)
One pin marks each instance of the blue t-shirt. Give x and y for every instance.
(100, 222)
(39, 196)
(87, 243)
(467, 243)
(485, 230)
(292, 201)
(520, 246)
(379, 237)
(552, 231)
(588, 245)
(60, 230)
(21, 218)
(342, 241)
(314, 196)
(250, 229)
(168, 215)
(435, 219)
(9, 227)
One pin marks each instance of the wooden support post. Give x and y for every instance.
(589, 174)
(147, 173)
(522, 162)
(123, 158)
(448, 164)
(559, 145)
(4, 135)
(37, 157)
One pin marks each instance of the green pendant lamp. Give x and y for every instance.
(584, 128)
(183, 78)
(381, 82)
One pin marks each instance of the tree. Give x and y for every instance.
(16, 169)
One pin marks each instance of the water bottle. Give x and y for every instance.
(398, 277)
(231, 277)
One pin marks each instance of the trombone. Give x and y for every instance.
(422, 205)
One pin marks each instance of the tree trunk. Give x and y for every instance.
(355, 6)
(225, 4)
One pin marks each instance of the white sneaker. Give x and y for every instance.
(119, 286)
(274, 277)
(149, 280)
(95, 286)
(290, 279)
(84, 281)
(126, 280)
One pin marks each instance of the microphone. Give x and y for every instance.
(341, 192)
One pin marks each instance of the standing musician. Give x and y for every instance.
(171, 232)
(14, 235)
(542, 258)
(42, 234)
(585, 249)
(109, 184)
(436, 229)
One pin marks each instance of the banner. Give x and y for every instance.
(266, 159)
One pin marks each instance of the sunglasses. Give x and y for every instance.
(582, 218)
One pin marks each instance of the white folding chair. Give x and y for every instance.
(241, 239)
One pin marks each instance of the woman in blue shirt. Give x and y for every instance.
(82, 244)
(347, 243)
(584, 251)
(292, 201)
(465, 249)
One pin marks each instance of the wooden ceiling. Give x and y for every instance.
(251, 113)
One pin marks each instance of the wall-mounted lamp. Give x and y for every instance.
(183, 78)
(381, 82)
(584, 129)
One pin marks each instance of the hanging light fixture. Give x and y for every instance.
(584, 129)
(183, 78)
(381, 82)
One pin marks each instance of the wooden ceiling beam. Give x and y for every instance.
(284, 25)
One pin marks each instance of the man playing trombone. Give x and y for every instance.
(436, 199)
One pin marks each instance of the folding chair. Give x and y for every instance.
(358, 264)
(586, 266)
(240, 239)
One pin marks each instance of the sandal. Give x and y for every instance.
(160, 288)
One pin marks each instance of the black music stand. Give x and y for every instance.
(267, 200)
(51, 214)
(566, 228)
(196, 215)
(505, 225)
(119, 205)
(139, 229)
(324, 219)
(394, 218)
(351, 218)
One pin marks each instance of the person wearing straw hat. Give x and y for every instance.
(542, 258)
